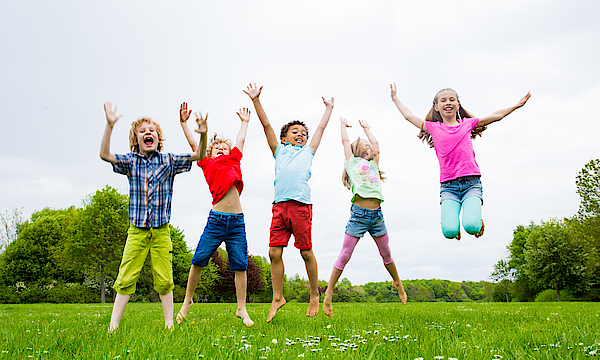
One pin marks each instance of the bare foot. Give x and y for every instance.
(480, 233)
(112, 328)
(313, 306)
(401, 292)
(243, 314)
(328, 305)
(185, 308)
(275, 305)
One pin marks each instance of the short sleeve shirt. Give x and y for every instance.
(364, 178)
(454, 148)
(292, 172)
(151, 185)
(223, 172)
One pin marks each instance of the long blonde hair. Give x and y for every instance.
(355, 146)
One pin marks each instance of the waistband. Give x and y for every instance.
(464, 178)
(222, 215)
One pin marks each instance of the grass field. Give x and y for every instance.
(358, 331)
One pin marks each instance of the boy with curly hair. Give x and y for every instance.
(292, 208)
(151, 174)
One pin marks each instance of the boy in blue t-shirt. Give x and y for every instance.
(292, 208)
(151, 176)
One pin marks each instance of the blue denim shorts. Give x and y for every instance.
(363, 220)
(461, 188)
(223, 227)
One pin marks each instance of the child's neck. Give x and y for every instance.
(450, 121)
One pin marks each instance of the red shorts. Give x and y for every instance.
(291, 218)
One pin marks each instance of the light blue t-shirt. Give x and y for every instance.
(292, 171)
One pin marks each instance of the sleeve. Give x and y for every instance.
(123, 164)
(235, 152)
(181, 163)
(202, 162)
(279, 146)
(474, 123)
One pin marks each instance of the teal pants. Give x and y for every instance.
(471, 209)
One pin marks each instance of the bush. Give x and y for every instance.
(8, 295)
(71, 294)
(550, 296)
(33, 295)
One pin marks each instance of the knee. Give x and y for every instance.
(472, 227)
(450, 232)
(307, 255)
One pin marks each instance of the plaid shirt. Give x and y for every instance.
(151, 185)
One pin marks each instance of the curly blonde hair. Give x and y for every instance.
(133, 139)
(355, 146)
(214, 141)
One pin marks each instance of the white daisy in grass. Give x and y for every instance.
(274, 341)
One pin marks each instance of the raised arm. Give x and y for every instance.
(374, 143)
(184, 115)
(254, 93)
(408, 115)
(345, 140)
(111, 119)
(316, 138)
(244, 115)
(200, 152)
(500, 114)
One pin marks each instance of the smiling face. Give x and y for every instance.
(362, 148)
(447, 104)
(218, 149)
(296, 135)
(147, 137)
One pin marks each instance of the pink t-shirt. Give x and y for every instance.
(454, 148)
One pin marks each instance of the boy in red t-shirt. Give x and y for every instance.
(221, 168)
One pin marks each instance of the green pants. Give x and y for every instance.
(139, 242)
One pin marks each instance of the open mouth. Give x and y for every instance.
(148, 141)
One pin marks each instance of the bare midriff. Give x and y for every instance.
(229, 203)
(366, 203)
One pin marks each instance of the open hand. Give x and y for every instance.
(523, 100)
(253, 91)
(344, 122)
(111, 114)
(364, 124)
(184, 113)
(244, 114)
(201, 121)
(328, 102)
(393, 89)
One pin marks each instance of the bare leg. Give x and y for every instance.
(117, 312)
(167, 305)
(277, 271)
(240, 292)
(397, 283)
(192, 283)
(328, 300)
(310, 262)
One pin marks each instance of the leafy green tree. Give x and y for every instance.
(554, 258)
(254, 278)
(523, 287)
(101, 234)
(36, 255)
(455, 291)
(588, 188)
(503, 274)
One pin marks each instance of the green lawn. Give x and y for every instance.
(358, 331)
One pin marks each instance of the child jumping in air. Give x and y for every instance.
(449, 128)
(151, 174)
(362, 176)
(292, 209)
(225, 222)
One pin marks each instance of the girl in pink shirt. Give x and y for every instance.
(449, 128)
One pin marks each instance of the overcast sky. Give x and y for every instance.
(62, 59)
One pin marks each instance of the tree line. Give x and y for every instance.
(557, 259)
(72, 255)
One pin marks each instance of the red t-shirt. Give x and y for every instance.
(223, 172)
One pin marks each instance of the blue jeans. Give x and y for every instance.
(223, 227)
(363, 220)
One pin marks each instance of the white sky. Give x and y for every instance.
(62, 59)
